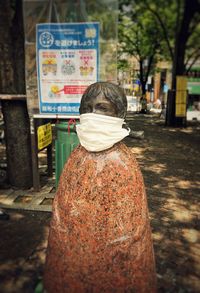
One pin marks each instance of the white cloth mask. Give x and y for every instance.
(100, 132)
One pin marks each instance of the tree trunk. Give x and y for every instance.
(190, 8)
(142, 80)
(18, 143)
(12, 81)
(183, 33)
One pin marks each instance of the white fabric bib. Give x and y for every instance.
(100, 132)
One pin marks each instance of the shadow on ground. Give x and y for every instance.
(23, 246)
(169, 159)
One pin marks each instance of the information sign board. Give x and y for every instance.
(67, 62)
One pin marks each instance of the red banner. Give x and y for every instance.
(74, 89)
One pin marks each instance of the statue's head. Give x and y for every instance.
(104, 98)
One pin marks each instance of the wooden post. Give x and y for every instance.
(34, 155)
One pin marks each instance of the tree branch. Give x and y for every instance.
(191, 55)
(192, 63)
(151, 59)
(163, 28)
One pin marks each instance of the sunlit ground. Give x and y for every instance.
(169, 159)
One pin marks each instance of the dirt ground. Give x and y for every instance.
(170, 160)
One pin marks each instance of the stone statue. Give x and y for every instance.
(100, 236)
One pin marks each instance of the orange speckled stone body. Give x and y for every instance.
(100, 237)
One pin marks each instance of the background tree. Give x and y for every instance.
(180, 24)
(139, 37)
(177, 26)
(184, 47)
(12, 81)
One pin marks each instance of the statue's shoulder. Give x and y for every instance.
(126, 150)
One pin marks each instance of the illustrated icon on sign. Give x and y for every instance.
(68, 67)
(46, 39)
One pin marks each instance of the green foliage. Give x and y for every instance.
(157, 27)
(139, 36)
(123, 64)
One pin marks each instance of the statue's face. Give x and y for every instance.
(99, 105)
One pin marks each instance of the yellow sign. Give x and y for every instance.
(44, 134)
(181, 83)
(181, 96)
(180, 110)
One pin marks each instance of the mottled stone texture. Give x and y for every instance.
(100, 237)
